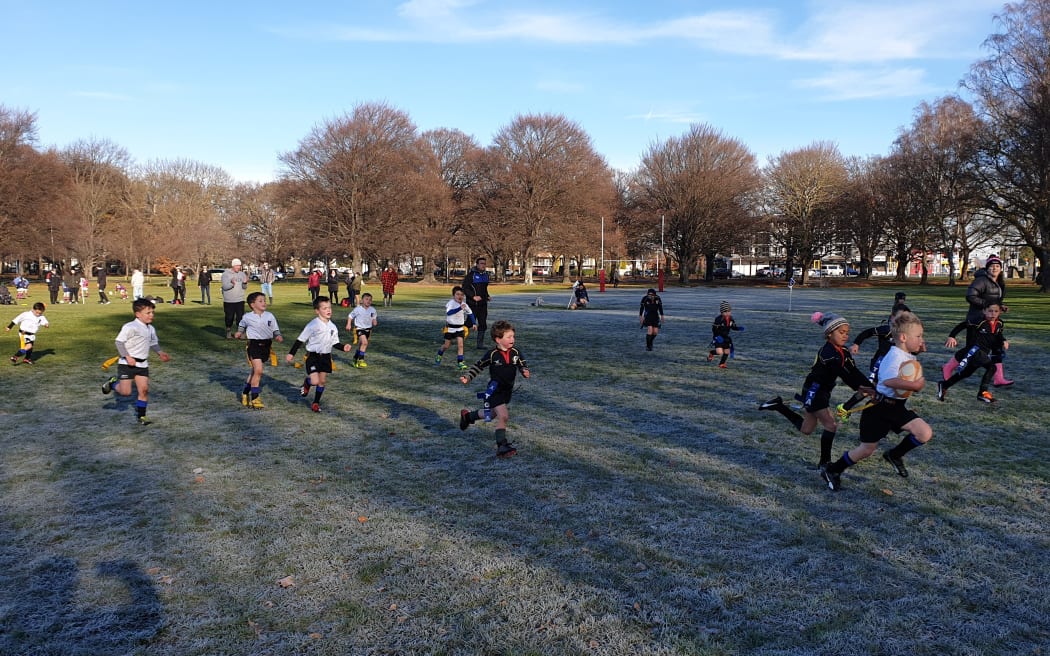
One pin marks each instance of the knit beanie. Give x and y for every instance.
(992, 260)
(724, 307)
(828, 321)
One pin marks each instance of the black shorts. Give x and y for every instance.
(883, 417)
(815, 399)
(366, 332)
(317, 363)
(450, 335)
(500, 397)
(651, 321)
(127, 372)
(259, 349)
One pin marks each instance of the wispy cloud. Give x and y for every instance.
(664, 116)
(833, 31)
(856, 84)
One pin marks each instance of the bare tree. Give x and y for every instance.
(701, 183)
(802, 188)
(100, 187)
(34, 192)
(457, 156)
(937, 159)
(858, 211)
(355, 182)
(545, 176)
(183, 213)
(1012, 90)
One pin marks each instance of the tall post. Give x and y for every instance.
(663, 258)
(601, 271)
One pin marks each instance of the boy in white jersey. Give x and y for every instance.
(458, 317)
(29, 323)
(134, 342)
(361, 320)
(889, 411)
(260, 328)
(319, 336)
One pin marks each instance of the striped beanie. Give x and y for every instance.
(724, 307)
(828, 321)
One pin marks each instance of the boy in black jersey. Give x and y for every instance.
(650, 317)
(833, 361)
(503, 363)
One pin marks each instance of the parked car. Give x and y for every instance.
(722, 273)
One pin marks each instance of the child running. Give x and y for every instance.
(884, 340)
(651, 317)
(989, 347)
(134, 342)
(503, 363)
(833, 361)
(29, 324)
(361, 320)
(319, 336)
(458, 318)
(260, 328)
(721, 340)
(889, 412)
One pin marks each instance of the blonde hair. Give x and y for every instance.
(902, 321)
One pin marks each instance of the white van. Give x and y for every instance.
(831, 270)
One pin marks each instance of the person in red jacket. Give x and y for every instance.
(389, 281)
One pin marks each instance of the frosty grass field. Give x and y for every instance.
(651, 509)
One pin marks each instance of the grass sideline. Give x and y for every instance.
(651, 509)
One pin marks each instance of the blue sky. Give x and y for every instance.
(234, 84)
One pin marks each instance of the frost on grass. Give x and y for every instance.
(652, 509)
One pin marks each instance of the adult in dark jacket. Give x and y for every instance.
(988, 288)
(54, 285)
(101, 278)
(476, 287)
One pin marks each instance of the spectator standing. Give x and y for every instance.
(333, 286)
(101, 278)
(138, 284)
(54, 285)
(313, 285)
(204, 282)
(233, 283)
(389, 281)
(72, 284)
(266, 278)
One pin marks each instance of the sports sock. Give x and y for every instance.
(907, 444)
(827, 438)
(247, 388)
(318, 391)
(140, 408)
(841, 464)
(501, 436)
(725, 356)
(255, 392)
(441, 352)
(306, 384)
(459, 358)
(792, 416)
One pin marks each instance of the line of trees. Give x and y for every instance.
(369, 187)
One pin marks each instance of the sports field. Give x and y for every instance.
(651, 509)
